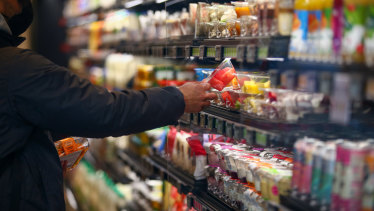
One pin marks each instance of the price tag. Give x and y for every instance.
(240, 52)
(202, 52)
(196, 118)
(210, 52)
(248, 135)
(173, 51)
(340, 107)
(251, 54)
(238, 132)
(218, 52)
(356, 87)
(229, 52)
(325, 84)
(261, 139)
(263, 52)
(274, 140)
(187, 51)
(308, 82)
(274, 78)
(229, 130)
(203, 120)
(288, 79)
(195, 51)
(211, 122)
(220, 126)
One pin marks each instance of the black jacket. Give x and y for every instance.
(37, 97)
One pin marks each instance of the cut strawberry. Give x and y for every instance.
(217, 84)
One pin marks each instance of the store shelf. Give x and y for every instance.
(243, 49)
(204, 201)
(138, 164)
(297, 204)
(185, 183)
(313, 125)
(182, 180)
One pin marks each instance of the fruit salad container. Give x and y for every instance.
(252, 83)
(303, 102)
(285, 105)
(223, 75)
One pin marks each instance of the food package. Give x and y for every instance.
(223, 75)
(71, 151)
(198, 154)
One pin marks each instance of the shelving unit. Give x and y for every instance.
(264, 53)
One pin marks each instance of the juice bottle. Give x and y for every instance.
(242, 8)
(314, 25)
(354, 30)
(298, 45)
(337, 29)
(326, 35)
(369, 37)
(285, 17)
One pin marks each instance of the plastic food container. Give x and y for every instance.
(222, 76)
(241, 8)
(71, 150)
(253, 83)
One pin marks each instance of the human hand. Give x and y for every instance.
(196, 96)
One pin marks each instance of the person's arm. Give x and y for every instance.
(51, 97)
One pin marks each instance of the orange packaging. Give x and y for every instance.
(71, 150)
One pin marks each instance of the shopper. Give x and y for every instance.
(38, 97)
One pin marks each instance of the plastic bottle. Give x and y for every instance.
(355, 13)
(369, 36)
(298, 45)
(314, 26)
(285, 16)
(326, 35)
(337, 28)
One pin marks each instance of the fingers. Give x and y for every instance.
(210, 96)
(206, 104)
(205, 86)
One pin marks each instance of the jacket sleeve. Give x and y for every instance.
(53, 98)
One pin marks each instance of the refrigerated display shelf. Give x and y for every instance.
(185, 183)
(297, 204)
(198, 196)
(182, 180)
(137, 163)
(312, 125)
(204, 201)
(243, 49)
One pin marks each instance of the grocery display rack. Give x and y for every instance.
(197, 197)
(185, 184)
(241, 49)
(263, 53)
(313, 125)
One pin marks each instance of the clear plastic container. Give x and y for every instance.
(242, 8)
(253, 83)
(222, 75)
(202, 18)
